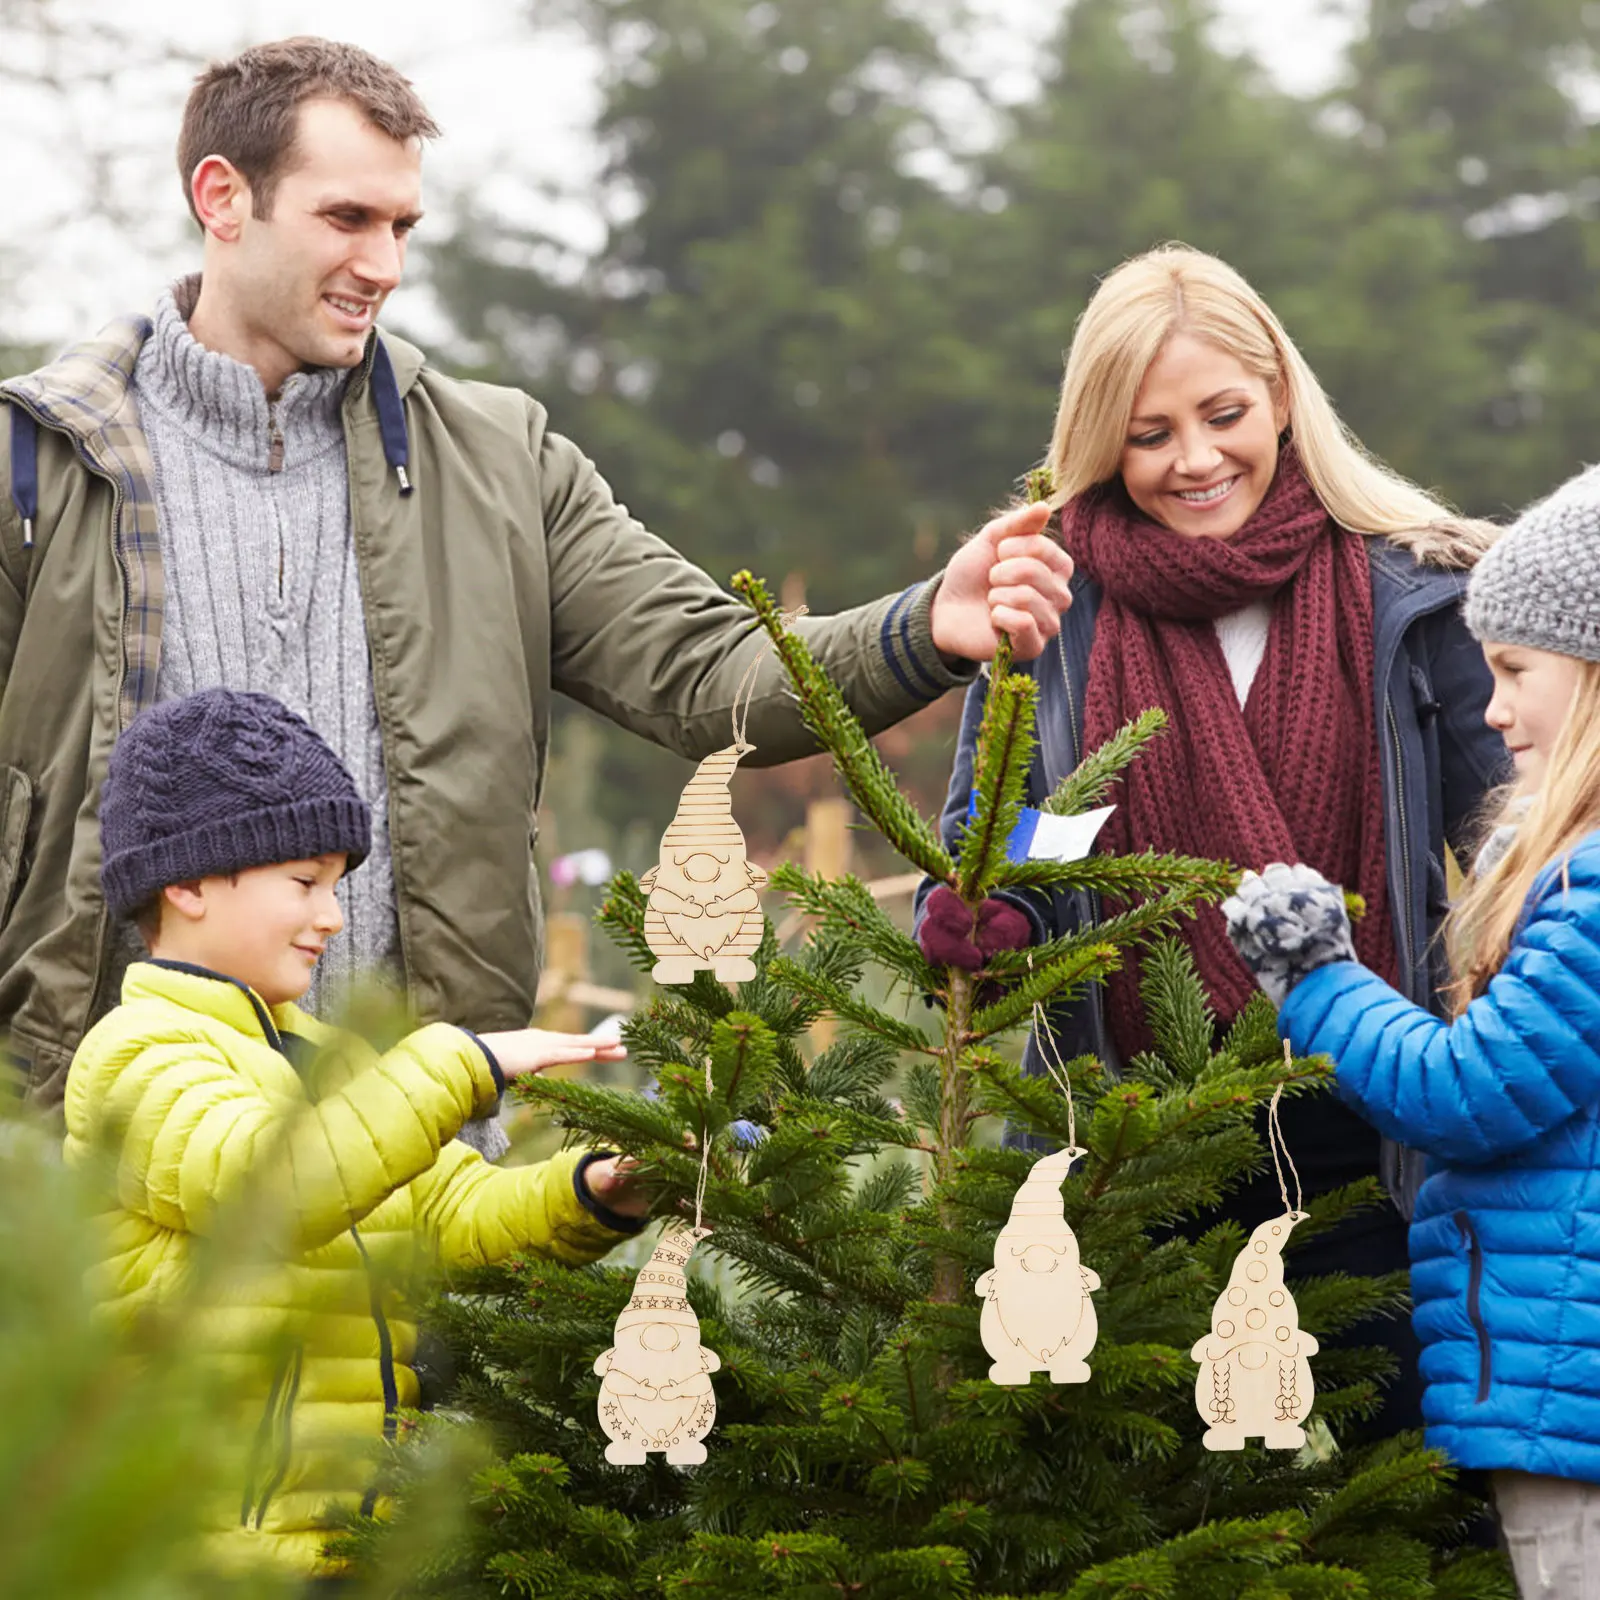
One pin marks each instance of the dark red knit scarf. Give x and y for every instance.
(1294, 775)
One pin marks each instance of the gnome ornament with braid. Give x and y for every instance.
(704, 909)
(655, 1380)
(1037, 1313)
(1255, 1380)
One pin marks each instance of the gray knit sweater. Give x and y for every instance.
(262, 590)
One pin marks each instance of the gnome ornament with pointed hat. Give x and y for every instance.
(704, 911)
(655, 1380)
(1037, 1313)
(1255, 1380)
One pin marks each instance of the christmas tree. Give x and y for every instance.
(855, 1193)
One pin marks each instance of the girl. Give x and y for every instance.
(1294, 608)
(1505, 1096)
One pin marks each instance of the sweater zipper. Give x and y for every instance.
(1469, 1236)
(274, 439)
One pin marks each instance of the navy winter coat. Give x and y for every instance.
(1505, 1245)
(1438, 760)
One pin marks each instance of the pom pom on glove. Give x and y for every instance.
(950, 936)
(1285, 922)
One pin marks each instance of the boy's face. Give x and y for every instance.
(266, 926)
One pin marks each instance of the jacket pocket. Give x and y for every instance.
(16, 806)
(1469, 1237)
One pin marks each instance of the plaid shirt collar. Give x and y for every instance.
(87, 394)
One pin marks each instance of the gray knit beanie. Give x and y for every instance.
(218, 782)
(1539, 585)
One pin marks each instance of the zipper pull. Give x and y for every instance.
(274, 441)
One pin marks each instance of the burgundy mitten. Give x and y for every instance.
(945, 932)
(1002, 927)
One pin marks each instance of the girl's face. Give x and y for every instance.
(1202, 443)
(1533, 691)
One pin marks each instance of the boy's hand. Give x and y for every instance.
(526, 1050)
(613, 1184)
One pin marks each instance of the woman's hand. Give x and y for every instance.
(1010, 577)
(1285, 922)
(528, 1050)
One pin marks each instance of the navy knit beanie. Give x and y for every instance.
(215, 783)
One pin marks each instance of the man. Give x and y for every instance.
(257, 491)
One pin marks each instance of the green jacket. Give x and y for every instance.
(194, 1096)
(507, 572)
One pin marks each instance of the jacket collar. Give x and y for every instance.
(86, 388)
(221, 998)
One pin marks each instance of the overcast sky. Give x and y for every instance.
(515, 115)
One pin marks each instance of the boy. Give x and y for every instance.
(226, 824)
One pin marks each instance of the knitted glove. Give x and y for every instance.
(1285, 922)
(950, 936)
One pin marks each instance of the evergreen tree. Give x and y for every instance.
(853, 1195)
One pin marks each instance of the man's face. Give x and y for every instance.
(303, 287)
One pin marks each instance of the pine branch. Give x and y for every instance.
(847, 907)
(1005, 753)
(1050, 979)
(828, 996)
(823, 708)
(1123, 877)
(1085, 787)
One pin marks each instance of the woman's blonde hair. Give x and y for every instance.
(1173, 289)
(1479, 929)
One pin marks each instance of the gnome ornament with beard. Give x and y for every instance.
(1255, 1380)
(655, 1380)
(1037, 1313)
(704, 911)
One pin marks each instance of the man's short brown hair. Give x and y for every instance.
(247, 109)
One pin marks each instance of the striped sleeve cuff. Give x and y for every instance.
(906, 639)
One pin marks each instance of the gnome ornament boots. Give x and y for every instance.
(704, 910)
(1037, 1313)
(655, 1380)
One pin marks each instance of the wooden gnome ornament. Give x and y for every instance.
(1037, 1314)
(655, 1380)
(1255, 1378)
(703, 913)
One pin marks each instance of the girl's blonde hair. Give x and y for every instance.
(1174, 289)
(1479, 929)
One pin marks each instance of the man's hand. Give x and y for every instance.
(533, 1049)
(613, 1184)
(1011, 578)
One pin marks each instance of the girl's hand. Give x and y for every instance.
(526, 1050)
(1285, 922)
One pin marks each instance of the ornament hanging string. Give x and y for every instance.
(745, 693)
(1053, 1064)
(742, 696)
(1276, 1142)
(705, 1156)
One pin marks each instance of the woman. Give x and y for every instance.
(1294, 606)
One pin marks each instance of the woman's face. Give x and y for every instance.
(1202, 443)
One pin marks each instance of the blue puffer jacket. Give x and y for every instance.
(1437, 755)
(1505, 1244)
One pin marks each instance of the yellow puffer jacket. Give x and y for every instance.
(190, 1091)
